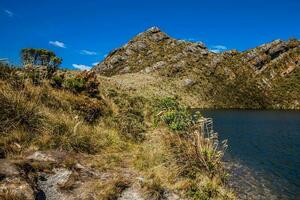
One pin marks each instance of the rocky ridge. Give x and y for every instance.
(268, 74)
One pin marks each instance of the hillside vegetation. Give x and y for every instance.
(67, 135)
(153, 63)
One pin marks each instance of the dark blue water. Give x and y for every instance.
(266, 146)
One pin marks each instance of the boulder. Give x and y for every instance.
(188, 82)
(117, 59)
(41, 156)
(50, 184)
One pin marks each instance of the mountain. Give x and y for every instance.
(267, 76)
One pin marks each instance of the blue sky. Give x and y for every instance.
(83, 32)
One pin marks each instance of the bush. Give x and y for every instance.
(91, 87)
(57, 81)
(75, 84)
(85, 82)
(89, 109)
(169, 111)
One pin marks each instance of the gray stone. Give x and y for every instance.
(132, 193)
(158, 37)
(196, 48)
(188, 82)
(138, 46)
(50, 184)
(153, 29)
(125, 70)
(41, 156)
(117, 59)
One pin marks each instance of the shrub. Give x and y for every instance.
(89, 109)
(57, 81)
(75, 84)
(177, 119)
(85, 82)
(167, 103)
(92, 87)
(169, 111)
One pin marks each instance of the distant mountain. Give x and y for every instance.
(267, 76)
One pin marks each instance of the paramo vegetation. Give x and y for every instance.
(153, 146)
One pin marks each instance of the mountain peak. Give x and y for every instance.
(153, 29)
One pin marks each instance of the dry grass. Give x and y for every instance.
(116, 132)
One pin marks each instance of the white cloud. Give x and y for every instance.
(218, 48)
(9, 13)
(215, 50)
(89, 53)
(4, 60)
(95, 63)
(81, 67)
(105, 55)
(58, 44)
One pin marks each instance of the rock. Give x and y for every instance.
(50, 184)
(196, 48)
(232, 52)
(125, 70)
(132, 193)
(148, 70)
(171, 196)
(265, 53)
(117, 59)
(129, 52)
(158, 37)
(41, 156)
(188, 82)
(177, 57)
(137, 46)
(158, 65)
(79, 166)
(153, 29)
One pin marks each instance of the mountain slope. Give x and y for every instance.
(263, 77)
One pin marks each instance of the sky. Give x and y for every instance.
(84, 32)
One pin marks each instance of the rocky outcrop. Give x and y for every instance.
(147, 52)
(257, 78)
(153, 46)
(45, 175)
(262, 55)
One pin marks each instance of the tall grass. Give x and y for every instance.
(17, 112)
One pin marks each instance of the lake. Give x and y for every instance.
(264, 151)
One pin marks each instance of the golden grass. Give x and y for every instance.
(55, 121)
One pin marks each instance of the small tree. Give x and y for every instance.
(44, 57)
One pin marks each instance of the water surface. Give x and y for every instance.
(265, 148)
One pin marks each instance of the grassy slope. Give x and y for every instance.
(112, 132)
(227, 80)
